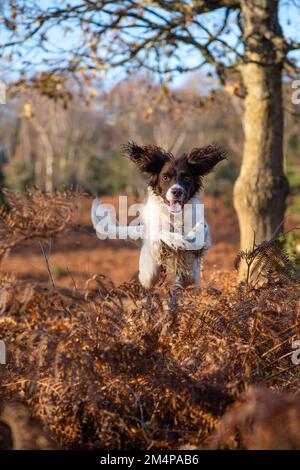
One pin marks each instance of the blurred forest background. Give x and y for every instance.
(52, 144)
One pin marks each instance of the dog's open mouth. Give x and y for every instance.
(175, 206)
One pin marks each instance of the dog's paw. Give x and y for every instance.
(180, 244)
(173, 240)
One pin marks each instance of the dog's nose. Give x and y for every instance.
(177, 192)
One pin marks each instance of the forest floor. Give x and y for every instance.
(93, 365)
(78, 255)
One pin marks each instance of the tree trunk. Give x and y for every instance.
(261, 189)
(49, 156)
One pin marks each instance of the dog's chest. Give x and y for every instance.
(178, 262)
(156, 218)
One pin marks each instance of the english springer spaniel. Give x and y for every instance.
(174, 185)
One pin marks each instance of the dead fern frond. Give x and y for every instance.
(262, 420)
(99, 368)
(34, 214)
(268, 260)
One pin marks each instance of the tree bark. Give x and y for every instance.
(261, 189)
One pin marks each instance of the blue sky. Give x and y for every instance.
(289, 18)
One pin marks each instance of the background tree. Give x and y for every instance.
(85, 142)
(241, 37)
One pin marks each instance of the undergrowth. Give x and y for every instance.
(112, 367)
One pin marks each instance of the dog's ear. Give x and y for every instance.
(148, 158)
(203, 160)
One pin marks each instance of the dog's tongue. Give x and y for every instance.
(175, 207)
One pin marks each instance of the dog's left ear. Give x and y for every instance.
(148, 158)
(203, 160)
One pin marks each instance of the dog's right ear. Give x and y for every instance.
(148, 158)
(203, 160)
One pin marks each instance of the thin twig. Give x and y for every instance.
(282, 371)
(73, 280)
(47, 265)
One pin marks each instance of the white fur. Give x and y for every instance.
(156, 228)
(156, 219)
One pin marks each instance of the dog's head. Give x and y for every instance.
(175, 180)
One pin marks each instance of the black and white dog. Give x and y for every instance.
(174, 185)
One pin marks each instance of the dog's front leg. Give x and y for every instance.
(148, 266)
(193, 278)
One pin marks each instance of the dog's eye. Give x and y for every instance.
(165, 177)
(186, 178)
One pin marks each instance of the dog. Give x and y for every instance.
(174, 185)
